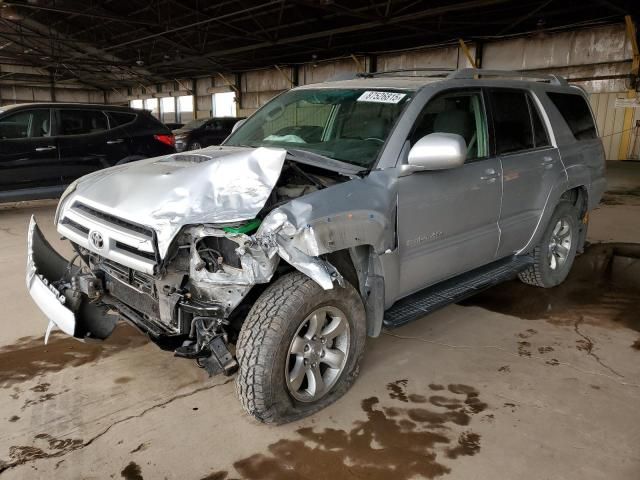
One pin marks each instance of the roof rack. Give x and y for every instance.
(434, 71)
(475, 73)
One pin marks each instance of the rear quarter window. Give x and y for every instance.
(119, 119)
(576, 113)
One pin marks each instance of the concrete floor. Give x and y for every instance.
(516, 383)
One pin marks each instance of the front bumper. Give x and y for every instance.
(49, 281)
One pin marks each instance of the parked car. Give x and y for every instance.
(46, 146)
(173, 125)
(203, 132)
(335, 210)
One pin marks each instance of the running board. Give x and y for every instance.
(421, 303)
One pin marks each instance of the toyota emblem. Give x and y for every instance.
(96, 239)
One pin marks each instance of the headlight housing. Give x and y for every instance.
(70, 189)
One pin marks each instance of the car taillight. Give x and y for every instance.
(166, 139)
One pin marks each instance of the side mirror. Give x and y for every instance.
(438, 151)
(237, 124)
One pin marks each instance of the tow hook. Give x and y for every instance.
(210, 350)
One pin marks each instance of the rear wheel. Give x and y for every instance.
(299, 348)
(554, 255)
(195, 146)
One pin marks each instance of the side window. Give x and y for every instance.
(458, 112)
(118, 119)
(26, 124)
(576, 113)
(511, 121)
(540, 136)
(82, 122)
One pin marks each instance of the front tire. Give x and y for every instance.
(554, 255)
(299, 349)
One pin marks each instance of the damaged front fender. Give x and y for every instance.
(278, 235)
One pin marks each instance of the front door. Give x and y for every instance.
(448, 219)
(28, 152)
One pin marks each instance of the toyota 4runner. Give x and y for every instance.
(336, 210)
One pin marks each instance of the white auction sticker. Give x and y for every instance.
(381, 97)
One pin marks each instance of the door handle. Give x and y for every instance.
(48, 148)
(117, 140)
(490, 176)
(547, 162)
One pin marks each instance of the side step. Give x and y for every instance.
(419, 304)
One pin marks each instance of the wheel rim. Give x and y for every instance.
(560, 244)
(195, 146)
(317, 354)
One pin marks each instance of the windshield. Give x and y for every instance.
(350, 125)
(193, 124)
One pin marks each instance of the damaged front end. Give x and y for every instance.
(188, 290)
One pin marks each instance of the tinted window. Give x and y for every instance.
(576, 113)
(26, 124)
(540, 137)
(461, 113)
(121, 118)
(511, 121)
(80, 122)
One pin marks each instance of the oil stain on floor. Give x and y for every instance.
(29, 357)
(401, 439)
(603, 288)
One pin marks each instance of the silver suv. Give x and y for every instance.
(335, 210)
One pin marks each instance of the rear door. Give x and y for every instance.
(530, 164)
(82, 141)
(28, 151)
(448, 219)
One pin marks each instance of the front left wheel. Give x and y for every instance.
(299, 348)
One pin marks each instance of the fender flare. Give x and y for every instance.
(579, 178)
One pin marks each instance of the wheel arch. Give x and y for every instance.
(575, 192)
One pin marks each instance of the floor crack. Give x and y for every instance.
(588, 347)
(512, 354)
(4, 466)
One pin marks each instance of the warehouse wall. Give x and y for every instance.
(579, 55)
(10, 94)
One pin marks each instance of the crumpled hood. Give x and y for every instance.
(214, 185)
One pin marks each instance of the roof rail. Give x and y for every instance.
(435, 71)
(473, 73)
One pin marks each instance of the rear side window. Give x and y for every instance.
(511, 121)
(118, 119)
(82, 122)
(576, 113)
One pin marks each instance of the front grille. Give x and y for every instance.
(76, 225)
(114, 220)
(121, 240)
(135, 251)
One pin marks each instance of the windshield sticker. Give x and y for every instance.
(381, 97)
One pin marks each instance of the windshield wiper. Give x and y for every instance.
(323, 160)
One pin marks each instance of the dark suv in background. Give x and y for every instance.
(203, 132)
(46, 146)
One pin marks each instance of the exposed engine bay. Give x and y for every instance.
(197, 297)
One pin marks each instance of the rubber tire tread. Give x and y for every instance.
(280, 309)
(537, 274)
